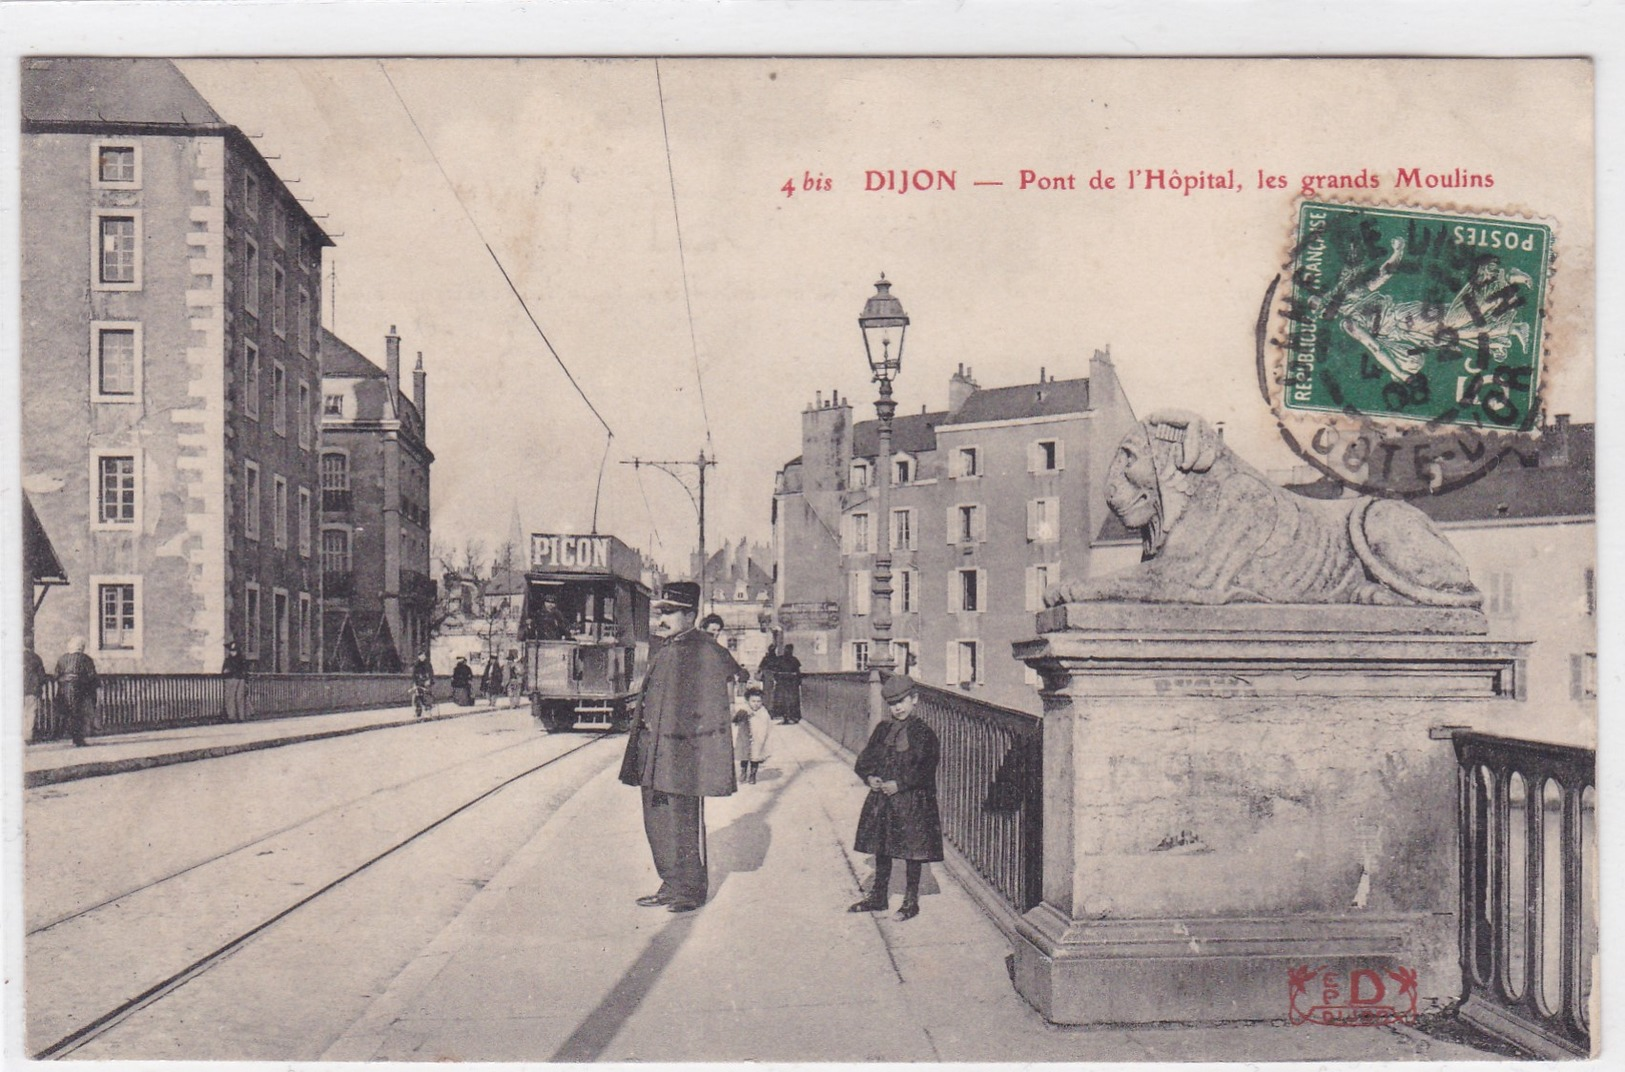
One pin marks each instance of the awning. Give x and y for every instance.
(39, 557)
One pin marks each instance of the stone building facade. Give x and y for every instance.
(378, 595)
(988, 498)
(170, 365)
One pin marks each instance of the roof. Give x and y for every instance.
(39, 557)
(95, 89)
(913, 433)
(339, 358)
(1023, 401)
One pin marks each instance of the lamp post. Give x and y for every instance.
(884, 324)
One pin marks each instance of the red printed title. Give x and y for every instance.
(1165, 180)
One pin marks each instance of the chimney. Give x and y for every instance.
(1041, 371)
(420, 385)
(392, 363)
(960, 387)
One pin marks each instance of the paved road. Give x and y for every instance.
(135, 877)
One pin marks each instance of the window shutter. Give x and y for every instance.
(953, 590)
(1035, 457)
(950, 663)
(1577, 677)
(981, 589)
(952, 517)
(1060, 454)
(863, 591)
(979, 524)
(1032, 519)
(1031, 596)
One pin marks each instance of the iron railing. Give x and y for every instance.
(990, 782)
(1528, 889)
(129, 703)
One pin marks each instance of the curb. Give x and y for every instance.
(55, 775)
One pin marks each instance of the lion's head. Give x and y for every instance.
(1146, 483)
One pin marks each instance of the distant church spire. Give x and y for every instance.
(516, 537)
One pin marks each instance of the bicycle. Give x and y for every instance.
(422, 700)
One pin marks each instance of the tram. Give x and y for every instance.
(584, 628)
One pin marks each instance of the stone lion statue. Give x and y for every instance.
(1216, 530)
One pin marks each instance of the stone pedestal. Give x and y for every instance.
(1233, 792)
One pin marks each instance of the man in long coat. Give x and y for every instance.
(685, 747)
(76, 687)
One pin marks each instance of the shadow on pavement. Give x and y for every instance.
(740, 846)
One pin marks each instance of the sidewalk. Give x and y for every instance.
(49, 762)
(552, 960)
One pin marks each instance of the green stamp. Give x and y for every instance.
(1416, 316)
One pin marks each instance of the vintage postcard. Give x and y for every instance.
(676, 559)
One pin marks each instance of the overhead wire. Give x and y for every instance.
(497, 261)
(649, 509)
(682, 258)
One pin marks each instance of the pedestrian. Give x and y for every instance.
(682, 751)
(76, 685)
(34, 678)
(511, 676)
(462, 683)
(900, 818)
(765, 673)
(491, 680)
(787, 686)
(422, 682)
(751, 723)
(235, 670)
(712, 623)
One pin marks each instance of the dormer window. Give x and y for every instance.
(904, 471)
(859, 476)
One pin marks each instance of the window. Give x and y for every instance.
(118, 165)
(115, 349)
(251, 277)
(857, 534)
(251, 500)
(301, 327)
(335, 551)
(908, 587)
(117, 616)
(1591, 591)
(279, 512)
(857, 591)
(251, 380)
(1500, 595)
(335, 482)
(1044, 456)
(279, 630)
(1039, 579)
(902, 530)
(1043, 519)
(118, 260)
(903, 657)
(251, 621)
(964, 662)
(251, 194)
(279, 223)
(279, 301)
(859, 475)
(279, 398)
(860, 655)
(116, 498)
(332, 405)
(304, 627)
(1583, 676)
(966, 590)
(966, 524)
(305, 517)
(904, 470)
(968, 461)
(303, 416)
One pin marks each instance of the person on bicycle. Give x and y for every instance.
(422, 682)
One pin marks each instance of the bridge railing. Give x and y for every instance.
(989, 784)
(1528, 889)
(128, 703)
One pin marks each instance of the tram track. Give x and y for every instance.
(106, 1021)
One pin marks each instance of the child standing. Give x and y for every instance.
(900, 819)
(750, 737)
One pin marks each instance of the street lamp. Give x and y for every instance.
(884, 324)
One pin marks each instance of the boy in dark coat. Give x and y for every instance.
(900, 817)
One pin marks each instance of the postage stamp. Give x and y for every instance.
(1409, 342)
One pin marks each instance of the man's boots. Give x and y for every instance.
(754, 767)
(744, 770)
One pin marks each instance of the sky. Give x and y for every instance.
(719, 340)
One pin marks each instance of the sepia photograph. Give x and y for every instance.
(804, 558)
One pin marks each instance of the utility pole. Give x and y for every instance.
(702, 463)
